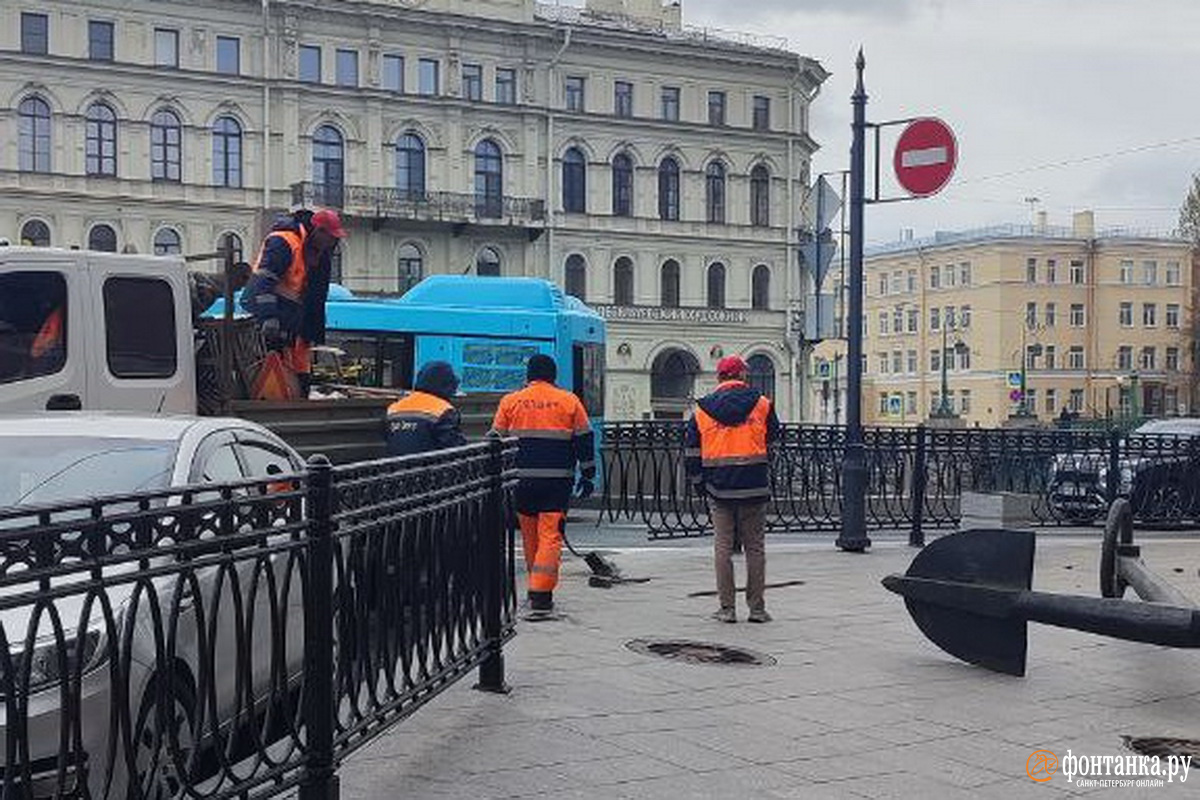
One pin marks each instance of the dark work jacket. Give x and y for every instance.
(731, 476)
(420, 422)
(306, 317)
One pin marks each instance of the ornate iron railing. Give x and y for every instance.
(917, 476)
(377, 202)
(239, 640)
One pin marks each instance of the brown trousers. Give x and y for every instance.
(747, 518)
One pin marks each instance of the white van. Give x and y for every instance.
(88, 330)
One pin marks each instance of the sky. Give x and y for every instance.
(1057, 105)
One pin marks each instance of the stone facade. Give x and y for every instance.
(1103, 320)
(165, 126)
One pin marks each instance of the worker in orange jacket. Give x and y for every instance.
(726, 460)
(425, 419)
(554, 436)
(286, 292)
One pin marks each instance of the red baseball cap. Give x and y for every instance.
(730, 366)
(328, 220)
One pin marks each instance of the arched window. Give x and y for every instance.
(714, 192)
(329, 166)
(227, 152)
(622, 185)
(100, 141)
(672, 382)
(760, 288)
(668, 189)
(33, 135)
(166, 146)
(489, 180)
(575, 276)
(102, 238)
(716, 285)
(35, 233)
(623, 282)
(235, 242)
(410, 267)
(410, 167)
(574, 178)
(761, 374)
(760, 196)
(487, 263)
(167, 242)
(670, 284)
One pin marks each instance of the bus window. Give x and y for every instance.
(386, 361)
(494, 366)
(588, 374)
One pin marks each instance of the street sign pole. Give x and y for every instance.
(853, 535)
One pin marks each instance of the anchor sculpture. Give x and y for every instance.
(970, 594)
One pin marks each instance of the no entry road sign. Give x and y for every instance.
(926, 154)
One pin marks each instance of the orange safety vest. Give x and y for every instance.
(547, 420)
(294, 281)
(419, 404)
(734, 445)
(50, 335)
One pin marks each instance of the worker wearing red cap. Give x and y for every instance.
(726, 461)
(290, 284)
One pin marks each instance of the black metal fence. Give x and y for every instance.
(239, 640)
(917, 476)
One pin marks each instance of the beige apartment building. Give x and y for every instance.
(1100, 322)
(651, 168)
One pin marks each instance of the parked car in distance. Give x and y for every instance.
(1158, 471)
(60, 457)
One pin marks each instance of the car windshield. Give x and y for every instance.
(43, 469)
(1171, 427)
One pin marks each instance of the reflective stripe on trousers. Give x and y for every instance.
(541, 538)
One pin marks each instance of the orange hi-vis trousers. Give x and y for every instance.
(541, 536)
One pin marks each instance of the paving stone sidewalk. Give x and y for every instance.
(858, 703)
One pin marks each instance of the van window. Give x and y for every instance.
(139, 324)
(33, 325)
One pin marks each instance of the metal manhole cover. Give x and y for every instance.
(1163, 746)
(700, 652)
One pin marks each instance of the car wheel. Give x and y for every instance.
(163, 742)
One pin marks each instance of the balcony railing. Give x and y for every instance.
(451, 207)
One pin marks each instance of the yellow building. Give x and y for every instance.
(1101, 321)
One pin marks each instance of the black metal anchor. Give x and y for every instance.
(969, 593)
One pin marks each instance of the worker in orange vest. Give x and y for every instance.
(425, 419)
(554, 436)
(290, 283)
(726, 460)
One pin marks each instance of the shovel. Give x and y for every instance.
(969, 593)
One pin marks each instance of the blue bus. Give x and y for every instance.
(486, 327)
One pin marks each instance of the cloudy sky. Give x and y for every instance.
(1082, 104)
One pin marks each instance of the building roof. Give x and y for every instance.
(1012, 231)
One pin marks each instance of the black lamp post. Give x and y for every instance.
(945, 409)
(853, 535)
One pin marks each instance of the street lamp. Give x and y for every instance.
(1027, 352)
(945, 409)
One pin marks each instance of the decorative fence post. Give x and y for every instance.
(320, 697)
(1112, 486)
(920, 481)
(495, 523)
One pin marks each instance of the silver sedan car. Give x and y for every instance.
(61, 457)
